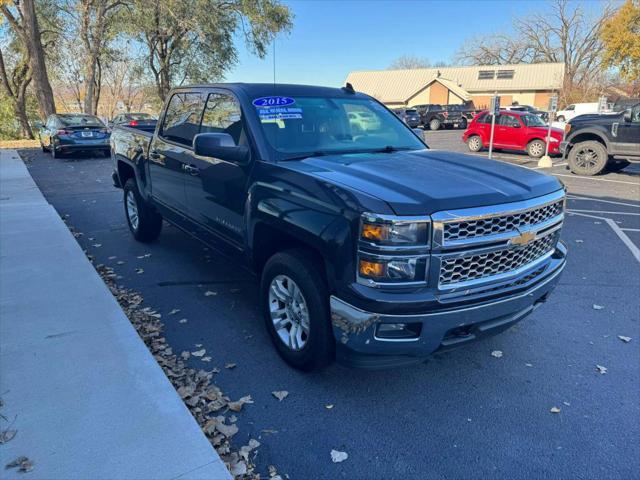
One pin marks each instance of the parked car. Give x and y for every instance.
(576, 109)
(362, 121)
(368, 246)
(431, 115)
(513, 131)
(136, 120)
(595, 142)
(410, 116)
(455, 116)
(67, 132)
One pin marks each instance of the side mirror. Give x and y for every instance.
(221, 146)
(626, 116)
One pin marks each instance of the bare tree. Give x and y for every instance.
(564, 33)
(24, 22)
(15, 83)
(409, 62)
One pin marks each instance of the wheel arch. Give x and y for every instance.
(587, 135)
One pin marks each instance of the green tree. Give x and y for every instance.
(621, 37)
(193, 40)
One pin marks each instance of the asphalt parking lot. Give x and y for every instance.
(462, 414)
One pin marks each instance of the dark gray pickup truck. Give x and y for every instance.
(369, 246)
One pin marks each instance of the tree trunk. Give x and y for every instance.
(44, 93)
(21, 78)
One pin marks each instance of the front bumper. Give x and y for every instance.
(356, 330)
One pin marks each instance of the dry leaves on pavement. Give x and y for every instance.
(555, 410)
(496, 353)
(597, 307)
(280, 394)
(7, 435)
(23, 463)
(624, 339)
(338, 456)
(600, 369)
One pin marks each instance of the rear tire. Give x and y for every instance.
(560, 118)
(587, 158)
(434, 124)
(536, 148)
(298, 270)
(474, 143)
(144, 222)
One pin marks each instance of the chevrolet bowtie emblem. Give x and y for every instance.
(523, 239)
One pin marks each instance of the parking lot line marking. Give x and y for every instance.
(573, 197)
(602, 212)
(630, 229)
(635, 251)
(596, 179)
(554, 165)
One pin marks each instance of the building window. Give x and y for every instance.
(486, 74)
(506, 74)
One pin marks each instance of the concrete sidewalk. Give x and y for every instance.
(86, 397)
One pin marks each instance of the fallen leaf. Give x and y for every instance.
(185, 355)
(112, 257)
(337, 456)
(23, 463)
(555, 410)
(237, 405)
(280, 394)
(230, 366)
(7, 435)
(139, 271)
(227, 430)
(600, 369)
(528, 365)
(496, 353)
(566, 403)
(182, 320)
(206, 359)
(579, 241)
(624, 339)
(97, 245)
(146, 255)
(597, 307)
(209, 293)
(174, 311)
(328, 407)
(120, 262)
(199, 353)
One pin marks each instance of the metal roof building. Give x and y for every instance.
(530, 84)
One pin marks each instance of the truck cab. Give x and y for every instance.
(368, 246)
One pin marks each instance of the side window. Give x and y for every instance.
(507, 121)
(571, 108)
(223, 115)
(484, 118)
(635, 114)
(182, 120)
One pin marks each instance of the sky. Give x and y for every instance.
(331, 38)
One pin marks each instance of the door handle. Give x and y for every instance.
(191, 170)
(154, 155)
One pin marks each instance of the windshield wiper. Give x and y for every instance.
(389, 149)
(307, 155)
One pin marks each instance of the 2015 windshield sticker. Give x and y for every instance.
(273, 101)
(279, 113)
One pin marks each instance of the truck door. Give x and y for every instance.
(627, 141)
(508, 131)
(171, 150)
(217, 189)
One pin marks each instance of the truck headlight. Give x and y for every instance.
(392, 270)
(389, 231)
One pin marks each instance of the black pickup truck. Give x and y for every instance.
(595, 142)
(369, 246)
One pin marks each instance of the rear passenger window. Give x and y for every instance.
(223, 115)
(182, 120)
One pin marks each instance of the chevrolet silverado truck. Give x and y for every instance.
(369, 247)
(595, 142)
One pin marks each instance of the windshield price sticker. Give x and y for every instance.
(277, 113)
(273, 101)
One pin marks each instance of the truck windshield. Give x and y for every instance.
(306, 126)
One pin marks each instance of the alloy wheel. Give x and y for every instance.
(587, 158)
(132, 209)
(289, 312)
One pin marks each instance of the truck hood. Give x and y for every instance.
(421, 182)
(596, 118)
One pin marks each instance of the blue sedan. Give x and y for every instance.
(68, 132)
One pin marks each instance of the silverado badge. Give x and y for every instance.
(522, 239)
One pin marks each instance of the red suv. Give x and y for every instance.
(513, 131)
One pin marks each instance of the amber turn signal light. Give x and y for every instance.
(371, 269)
(372, 231)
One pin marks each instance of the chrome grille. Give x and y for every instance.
(500, 224)
(477, 266)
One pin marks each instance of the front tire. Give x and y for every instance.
(474, 143)
(536, 148)
(144, 222)
(434, 124)
(295, 303)
(588, 158)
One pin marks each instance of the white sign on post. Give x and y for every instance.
(553, 104)
(602, 104)
(495, 109)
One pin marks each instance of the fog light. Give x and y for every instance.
(398, 331)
